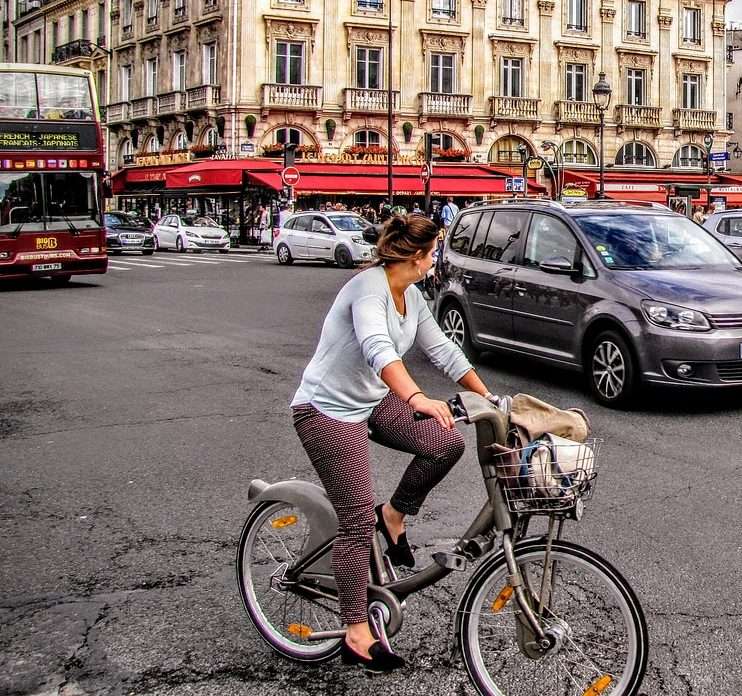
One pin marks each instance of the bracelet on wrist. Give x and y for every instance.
(411, 396)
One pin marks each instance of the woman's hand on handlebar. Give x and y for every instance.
(433, 408)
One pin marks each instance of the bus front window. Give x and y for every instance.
(71, 198)
(17, 95)
(65, 97)
(21, 203)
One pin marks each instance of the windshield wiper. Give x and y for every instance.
(17, 230)
(72, 227)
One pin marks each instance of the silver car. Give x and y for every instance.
(727, 227)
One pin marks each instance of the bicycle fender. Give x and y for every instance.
(310, 498)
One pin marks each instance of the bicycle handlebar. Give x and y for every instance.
(455, 406)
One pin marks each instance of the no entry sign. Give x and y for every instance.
(290, 176)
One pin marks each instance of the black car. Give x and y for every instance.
(126, 233)
(626, 293)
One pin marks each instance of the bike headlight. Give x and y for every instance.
(673, 317)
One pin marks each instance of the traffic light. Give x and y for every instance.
(428, 147)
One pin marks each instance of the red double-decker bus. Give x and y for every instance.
(52, 164)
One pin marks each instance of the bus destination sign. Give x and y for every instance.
(39, 141)
(22, 137)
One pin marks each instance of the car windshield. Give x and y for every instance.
(349, 223)
(199, 222)
(631, 241)
(117, 220)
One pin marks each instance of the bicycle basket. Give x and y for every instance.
(548, 475)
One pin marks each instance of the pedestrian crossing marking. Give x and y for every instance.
(111, 267)
(136, 263)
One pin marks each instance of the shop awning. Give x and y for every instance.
(217, 173)
(336, 179)
(132, 180)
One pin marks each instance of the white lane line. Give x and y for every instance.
(140, 265)
(191, 260)
(233, 259)
(169, 262)
(117, 268)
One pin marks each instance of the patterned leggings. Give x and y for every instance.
(339, 452)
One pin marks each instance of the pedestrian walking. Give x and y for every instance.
(449, 212)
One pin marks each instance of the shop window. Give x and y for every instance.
(637, 154)
(506, 150)
(578, 152)
(688, 157)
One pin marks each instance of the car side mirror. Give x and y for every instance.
(559, 265)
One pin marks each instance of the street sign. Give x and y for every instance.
(719, 156)
(425, 172)
(290, 176)
(515, 184)
(708, 141)
(247, 147)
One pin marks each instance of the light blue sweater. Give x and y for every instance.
(362, 334)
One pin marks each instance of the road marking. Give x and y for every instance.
(117, 268)
(170, 262)
(190, 260)
(235, 260)
(141, 265)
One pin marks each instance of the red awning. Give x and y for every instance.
(141, 178)
(223, 173)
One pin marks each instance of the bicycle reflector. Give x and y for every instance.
(502, 599)
(282, 522)
(304, 631)
(599, 686)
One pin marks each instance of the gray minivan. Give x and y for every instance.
(626, 293)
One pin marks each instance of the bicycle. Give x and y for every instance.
(538, 613)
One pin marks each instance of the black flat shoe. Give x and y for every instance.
(381, 660)
(400, 554)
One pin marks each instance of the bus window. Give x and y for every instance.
(71, 198)
(17, 95)
(64, 97)
(20, 202)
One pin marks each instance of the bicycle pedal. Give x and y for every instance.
(451, 561)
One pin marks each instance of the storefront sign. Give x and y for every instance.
(345, 158)
(651, 188)
(573, 193)
(159, 160)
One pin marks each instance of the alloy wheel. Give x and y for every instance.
(609, 370)
(453, 326)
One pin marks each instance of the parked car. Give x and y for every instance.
(727, 226)
(126, 233)
(194, 232)
(626, 293)
(333, 237)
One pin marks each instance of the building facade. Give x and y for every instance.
(485, 76)
(734, 98)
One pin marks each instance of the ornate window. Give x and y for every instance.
(635, 87)
(692, 25)
(691, 91)
(688, 157)
(443, 73)
(364, 138)
(636, 154)
(578, 152)
(576, 82)
(443, 10)
(126, 152)
(577, 14)
(288, 135)
(210, 137)
(636, 19)
(369, 70)
(180, 141)
(505, 150)
(151, 146)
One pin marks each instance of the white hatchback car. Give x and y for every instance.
(727, 227)
(333, 237)
(195, 232)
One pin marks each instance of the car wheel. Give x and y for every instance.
(454, 326)
(148, 252)
(343, 257)
(283, 253)
(179, 246)
(116, 252)
(611, 370)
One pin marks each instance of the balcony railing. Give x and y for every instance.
(577, 112)
(694, 120)
(375, 100)
(153, 23)
(81, 48)
(514, 109)
(210, 6)
(632, 116)
(307, 97)
(180, 14)
(440, 104)
(203, 97)
(171, 103)
(119, 112)
(143, 108)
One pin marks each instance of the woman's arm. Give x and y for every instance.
(471, 382)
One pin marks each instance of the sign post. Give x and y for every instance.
(426, 171)
(290, 177)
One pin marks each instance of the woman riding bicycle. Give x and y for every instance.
(357, 378)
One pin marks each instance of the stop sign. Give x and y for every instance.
(290, 176)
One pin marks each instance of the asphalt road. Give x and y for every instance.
(135, 408)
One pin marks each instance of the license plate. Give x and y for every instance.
(130, 241)
(46, 267)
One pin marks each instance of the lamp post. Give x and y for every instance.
(551, 145)
(523, 152)
(602, 98)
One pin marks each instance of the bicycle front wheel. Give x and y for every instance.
(274, 537)
(592, 613)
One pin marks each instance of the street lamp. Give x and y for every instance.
(551, 145)
(523, 152)
(602, 99)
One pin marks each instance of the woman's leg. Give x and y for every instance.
(339, 453)
(436, 450)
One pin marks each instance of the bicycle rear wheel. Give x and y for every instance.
(274, 537)
(601, 632)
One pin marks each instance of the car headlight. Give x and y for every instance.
(360, 240)
(673, 317)
(192, 234)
